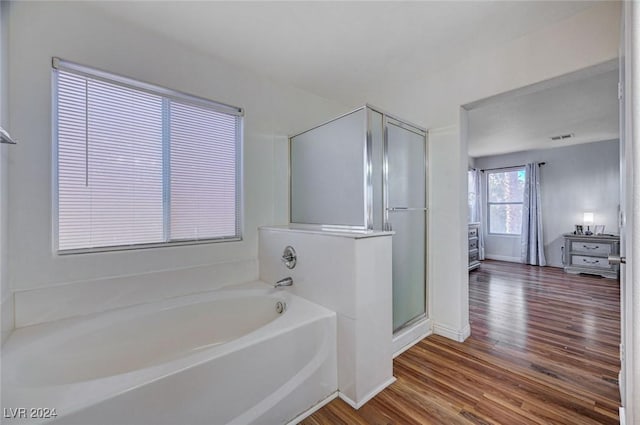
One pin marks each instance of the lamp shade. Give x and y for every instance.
(588, 218)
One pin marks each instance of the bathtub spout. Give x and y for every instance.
(287, 281)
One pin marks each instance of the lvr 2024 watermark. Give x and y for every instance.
(28, 413)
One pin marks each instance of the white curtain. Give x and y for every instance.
(475, 207)
(532, 245)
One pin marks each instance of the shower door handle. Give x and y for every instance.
(387, 225)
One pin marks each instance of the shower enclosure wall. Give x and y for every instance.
(366, 170)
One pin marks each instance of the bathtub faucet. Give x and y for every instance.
(287, 281)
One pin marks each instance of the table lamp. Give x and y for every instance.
(588, 221)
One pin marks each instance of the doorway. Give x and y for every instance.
(570, 123)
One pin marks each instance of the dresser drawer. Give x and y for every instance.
(473, 256)
(588, 254)
(591, 248)
(584, 261)
(473, 243)
(473, 232)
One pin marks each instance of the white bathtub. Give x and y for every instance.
(225, 356)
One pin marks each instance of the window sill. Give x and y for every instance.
(145, 246)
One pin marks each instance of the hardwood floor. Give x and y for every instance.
(543, 350)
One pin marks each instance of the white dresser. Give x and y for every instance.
(588, 254)
(474, 248)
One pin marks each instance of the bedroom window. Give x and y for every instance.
(138, 165)
(505, 193)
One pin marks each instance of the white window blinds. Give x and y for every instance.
(140, 166)
(202, 196)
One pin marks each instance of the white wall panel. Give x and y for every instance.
(80, 33)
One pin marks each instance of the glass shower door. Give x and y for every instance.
(405, 213)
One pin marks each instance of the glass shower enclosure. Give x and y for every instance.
(367, 170)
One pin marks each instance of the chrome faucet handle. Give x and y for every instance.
(289, 257)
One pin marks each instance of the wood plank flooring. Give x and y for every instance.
(543, 350)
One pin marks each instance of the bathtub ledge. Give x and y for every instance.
(329, 231)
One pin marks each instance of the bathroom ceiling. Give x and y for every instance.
(342, 50)
(583, 104)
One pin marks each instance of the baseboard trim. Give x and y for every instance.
(310, 411)
(368, 397)
(502, 258)
(621, 382)
(407, 338)
(458, 335)
(621, 413)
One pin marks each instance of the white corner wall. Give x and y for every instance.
(448, 250)
(6, 298)
(574, 180)
(79, 32)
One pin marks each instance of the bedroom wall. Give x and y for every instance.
(575, 179)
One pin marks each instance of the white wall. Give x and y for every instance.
(575, 179)
(448, 250)
(581, 41)
(630, 273)
(78, 32)
(6, 300)
(74, 31)
(585, 39)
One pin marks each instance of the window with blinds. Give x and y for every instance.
(139, 165)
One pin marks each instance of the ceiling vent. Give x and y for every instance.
(562, 137)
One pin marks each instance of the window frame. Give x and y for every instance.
(97, 74)
(489, 203)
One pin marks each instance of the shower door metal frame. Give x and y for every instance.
(368, 222)
(386, 121)
(367, 177)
